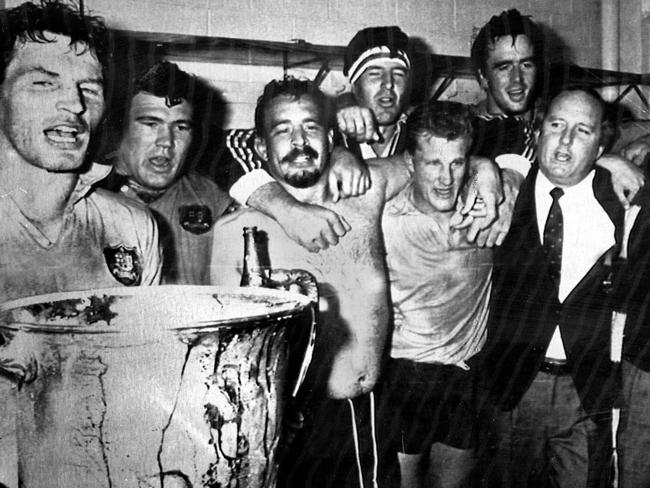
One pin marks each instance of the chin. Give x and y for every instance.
(63, 165)
(517, 108)
(387, 119)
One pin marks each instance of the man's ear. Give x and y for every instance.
(601, 150)
(260, 148)
(330, 140)
(482, 80)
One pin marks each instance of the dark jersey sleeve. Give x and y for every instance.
(502, 135)
(238, 158)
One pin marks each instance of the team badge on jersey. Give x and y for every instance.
(196, 219)
(124, 264)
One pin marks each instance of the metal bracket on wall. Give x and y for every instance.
(442, 87)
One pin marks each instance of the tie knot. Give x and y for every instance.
(556, 193)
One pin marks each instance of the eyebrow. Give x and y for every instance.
(53, 74)
(98, 81)
(41, 70)
(305, 121)
(148, 117)
(512, 61)
(160, 119)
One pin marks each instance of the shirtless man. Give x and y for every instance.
(292, 118)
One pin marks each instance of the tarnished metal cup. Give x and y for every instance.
(162, 386)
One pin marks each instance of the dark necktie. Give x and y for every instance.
(553, 233)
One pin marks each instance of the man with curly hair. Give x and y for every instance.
(58, 232)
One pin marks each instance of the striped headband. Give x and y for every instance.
(359, 66)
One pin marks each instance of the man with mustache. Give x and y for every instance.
(295, 136)
(58, 232)
(378, 65)
(158, 128)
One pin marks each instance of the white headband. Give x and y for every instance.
(359, 66)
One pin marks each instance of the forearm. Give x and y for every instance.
(272, 200)
(512, 180)
(607, 162)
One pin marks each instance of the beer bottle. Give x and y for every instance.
(252, 274)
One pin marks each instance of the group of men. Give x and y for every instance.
(440, 360)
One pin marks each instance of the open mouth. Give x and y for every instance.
(66, 135)
(160, 163)
(518, 95)
(386, 102)
(562, 157)
(302, 160)
(444, 192)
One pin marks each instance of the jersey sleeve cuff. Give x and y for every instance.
(245, 186)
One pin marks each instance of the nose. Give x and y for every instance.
(566, 137)
(298, 138)
(515, 74)
(72, 101)
(446, 176)
(387, 80)
(165, 136)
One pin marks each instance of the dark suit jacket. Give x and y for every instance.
(525, 311)
(634, 289)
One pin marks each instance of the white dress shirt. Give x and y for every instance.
(588, 233)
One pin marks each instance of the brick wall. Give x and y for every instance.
(446, 24)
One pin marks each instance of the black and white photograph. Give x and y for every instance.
(324, 244)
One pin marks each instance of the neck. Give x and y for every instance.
(494, 109)
(317, 194)
(41, 195)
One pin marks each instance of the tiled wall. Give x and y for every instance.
(445, 25)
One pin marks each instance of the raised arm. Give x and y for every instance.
(393, 172)
(349, 176)
(495, 233)
(354, 121)
(637, 150)
(498, 189)
(627, 177)
(313, 227)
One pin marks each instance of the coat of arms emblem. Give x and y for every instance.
(196, 219)
(124, 264)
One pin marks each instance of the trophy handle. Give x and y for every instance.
(16, 364)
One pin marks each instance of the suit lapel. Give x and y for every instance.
(524, 221)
